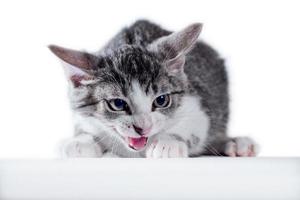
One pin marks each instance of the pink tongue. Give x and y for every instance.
(137, 143)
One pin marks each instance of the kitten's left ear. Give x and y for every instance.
(175, 46)
(79, 66)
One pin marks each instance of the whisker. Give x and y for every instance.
(212, 150)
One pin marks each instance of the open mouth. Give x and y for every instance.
(137, 143)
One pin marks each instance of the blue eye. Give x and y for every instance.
(117, 105)
(162, 101)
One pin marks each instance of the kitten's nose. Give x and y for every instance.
(138, 130)
(141, 131)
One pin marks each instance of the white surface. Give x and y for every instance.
(138, 179)
(259, 39)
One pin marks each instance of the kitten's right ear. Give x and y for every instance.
(77, 65)
(175, 46)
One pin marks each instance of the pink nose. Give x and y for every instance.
(141, 131)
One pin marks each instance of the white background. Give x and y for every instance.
(259, 39)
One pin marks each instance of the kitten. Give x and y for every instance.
(150, 93)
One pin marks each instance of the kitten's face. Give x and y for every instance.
(134, 92)
(135, 97)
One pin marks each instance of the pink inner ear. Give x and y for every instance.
(76, 80)
(176, 65)
(76, 75)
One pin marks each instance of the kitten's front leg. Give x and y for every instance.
(167, 146)
(82, 145)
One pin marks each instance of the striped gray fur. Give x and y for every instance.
(146, 54)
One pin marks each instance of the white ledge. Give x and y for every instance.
(136, 179)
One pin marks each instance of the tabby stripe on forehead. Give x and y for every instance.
(147, 87)
(154, 88)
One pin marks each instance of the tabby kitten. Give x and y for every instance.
(150, 93)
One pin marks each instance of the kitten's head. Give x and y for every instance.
(135, 91)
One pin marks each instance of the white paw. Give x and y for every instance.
(167, 148)
(242, 147)
(81, 146)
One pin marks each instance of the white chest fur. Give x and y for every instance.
(191, 121)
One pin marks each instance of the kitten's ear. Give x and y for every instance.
(175, 46)
(77, 65)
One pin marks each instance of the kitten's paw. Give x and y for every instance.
(241, 147)
(81, 146)
(167, 148)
